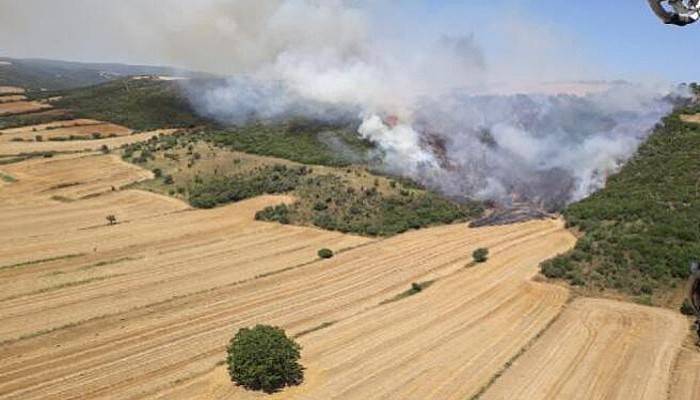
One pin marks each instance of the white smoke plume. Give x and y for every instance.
(443, 109)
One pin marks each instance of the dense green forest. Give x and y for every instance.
(140, 104)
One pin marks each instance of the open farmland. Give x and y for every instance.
(84, 131)
(22, 107)
(144, 308)
(686, 378)
(13, 148)
(599, 349)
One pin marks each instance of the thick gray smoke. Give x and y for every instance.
(546, 149)
(441, 108)
(442, 114)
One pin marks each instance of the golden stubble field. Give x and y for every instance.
(145, 308)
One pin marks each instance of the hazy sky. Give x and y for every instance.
(606, 39)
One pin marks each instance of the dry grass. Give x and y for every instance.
(695, 118)
(22, 107)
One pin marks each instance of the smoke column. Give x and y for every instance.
(464, 113)
(441, 113)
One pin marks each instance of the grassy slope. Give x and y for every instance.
(348, 199)
(643, 229)
(302, 141)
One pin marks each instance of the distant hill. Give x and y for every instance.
(40, 74)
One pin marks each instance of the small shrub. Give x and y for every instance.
(157, 172)
(687, 308)
(111, 219)
(264, 358)
(39, 138)
(481, 255)
(320, 206)
(325, 253)
(168, 180)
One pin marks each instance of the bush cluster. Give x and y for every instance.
(325, 253)
(329, 203)
(481, 255)
(219, 190)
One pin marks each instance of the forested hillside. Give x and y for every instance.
(641, 232)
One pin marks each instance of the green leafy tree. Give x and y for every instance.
(325, 253)
(264, 358)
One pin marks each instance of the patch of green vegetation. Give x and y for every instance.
(42, 261)
(8, 178)
(414, 290)
(329, 203)
(301, 141)
(480, 255)
(265, 180)
(20, 120)
(141, 105)
(264, 358)
(325, 253)
(687, 309)
(345, 199)
(643, 229)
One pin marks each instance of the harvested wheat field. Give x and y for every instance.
(75, 130)
(15, 148)
(22, 107)
(73, 176)
(686, 378)
(12, 98)
(598, 349)
(68, 123)
(11, 90)
(145, 307)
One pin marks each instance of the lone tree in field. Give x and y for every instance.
(481, 255)
(111, 219)
(325, 253)
(264, 358)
